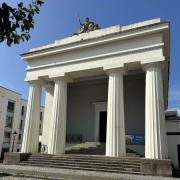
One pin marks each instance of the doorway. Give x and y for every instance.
(102, 126)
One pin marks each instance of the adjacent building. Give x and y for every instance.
(173, 135)
(12, 119)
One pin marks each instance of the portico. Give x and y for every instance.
(125, 68)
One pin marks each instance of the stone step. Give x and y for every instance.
(94, 148)
(85, 162)
(86, 156)
(86, 165)
(133, 162)
(89, 157)
(86, 168)
(95, 152)
(82, 156)
(98, 153)
(136, 166)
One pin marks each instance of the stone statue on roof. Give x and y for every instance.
(87, 26)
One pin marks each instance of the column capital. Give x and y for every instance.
(49, 86)
(39, 82)
(153, 65)
(33, 82)
(119, 70)
(56, 77)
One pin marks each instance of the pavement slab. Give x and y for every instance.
(32, 172)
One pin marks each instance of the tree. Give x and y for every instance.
(16, 23)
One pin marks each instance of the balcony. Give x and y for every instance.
(7, 140)
(8, 129)
(6, 143)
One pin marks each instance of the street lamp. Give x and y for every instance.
(14, 136)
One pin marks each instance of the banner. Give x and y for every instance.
(135, 139)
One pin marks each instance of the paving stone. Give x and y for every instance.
(74, 174)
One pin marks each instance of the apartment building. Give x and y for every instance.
(12, 120)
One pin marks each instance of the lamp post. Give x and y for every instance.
(14, 136)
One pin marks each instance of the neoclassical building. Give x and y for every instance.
(102, 85)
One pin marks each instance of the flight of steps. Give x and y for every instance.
(129, 165)
(92, 148)
(87, 156)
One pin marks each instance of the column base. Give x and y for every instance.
(14, 157)
(156, 167)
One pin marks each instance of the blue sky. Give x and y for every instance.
(58, 19)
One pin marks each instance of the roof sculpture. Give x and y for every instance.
(87, 26)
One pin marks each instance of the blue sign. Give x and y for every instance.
(135, 139)
(138, 139)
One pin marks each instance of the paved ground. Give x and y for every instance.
(67, 174)
(14, 178)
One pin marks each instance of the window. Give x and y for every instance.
(41, 116)
(10, 106)
(22, 110)
(19, 137)
(10, 114)
(21, 124)
(9, 121)
(18, 150)
(7, 135)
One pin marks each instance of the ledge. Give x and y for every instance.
(156, 167)
(14, 158)
(63, 44)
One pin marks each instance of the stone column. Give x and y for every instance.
(47, 115)
(58, 120)
(31, 129)
(155, 131)
(115, 134)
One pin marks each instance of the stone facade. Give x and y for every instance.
(112, 55)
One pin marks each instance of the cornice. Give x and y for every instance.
(56, 49)
(123, 52)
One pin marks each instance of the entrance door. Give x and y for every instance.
(102, 126)
(178, 148)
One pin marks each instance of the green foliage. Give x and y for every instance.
(16, 23)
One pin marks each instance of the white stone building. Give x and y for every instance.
(173, 135)
(120, 72)
(12, 119)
